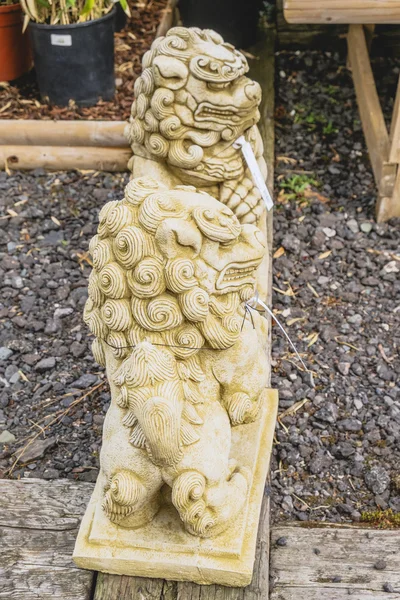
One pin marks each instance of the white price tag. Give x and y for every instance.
(254, 170)
(61, 40)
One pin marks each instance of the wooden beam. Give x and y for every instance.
(39, 521)
(394, 152)
(63, 133)
(372, 120)
(331, 562)
(59, 158)
(342, 11)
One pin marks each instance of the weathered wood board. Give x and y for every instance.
(39, 522)
(342, 11)
(334, 562)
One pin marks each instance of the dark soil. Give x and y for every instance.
(337, 292)
(21, 99)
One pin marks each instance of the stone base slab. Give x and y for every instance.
(163, 549)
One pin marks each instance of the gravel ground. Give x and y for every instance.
(337, 291)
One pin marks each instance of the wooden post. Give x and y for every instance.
(383, 151)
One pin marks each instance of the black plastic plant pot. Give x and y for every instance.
(235, 20)
(75, 62)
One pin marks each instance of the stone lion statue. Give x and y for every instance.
(193, 100)
(172, 270)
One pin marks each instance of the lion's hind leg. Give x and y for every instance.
(128, 502)
(208, 508)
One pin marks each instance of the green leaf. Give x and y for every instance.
(88, 7)
(125, 7)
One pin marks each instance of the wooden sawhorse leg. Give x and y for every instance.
(383, 148)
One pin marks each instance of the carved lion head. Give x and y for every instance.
(172, 267)
(192, 94)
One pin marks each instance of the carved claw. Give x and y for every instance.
(241, 408)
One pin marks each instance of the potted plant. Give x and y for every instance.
(15, 56)
(73, 48)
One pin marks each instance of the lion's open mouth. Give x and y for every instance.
(237, 275)
(207, 112)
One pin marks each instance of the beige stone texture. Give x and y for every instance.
(192, 102)
(164, 549)
(188, 436)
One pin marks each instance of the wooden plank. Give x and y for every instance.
(39, 522)
(63, 133)
(340, 11)
(372, 120)
(60, 158)
(111, 587)
(394, 152)
(332, 563)
(359, 16)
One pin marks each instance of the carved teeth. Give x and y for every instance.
(237, 275)
(217, 112)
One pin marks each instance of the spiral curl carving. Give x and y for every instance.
(112, 281)
(142, 104)
(194, 304)
(129, 246)
(150, 123)
(124, 488)
(94, 291)
(93, 243)
(136, 131)
(179, 275)
(117, 314)
(172, 128)
(93, 319)
(157, 145)
(102, 254)
(116, 340)
(148, 81)
(220, 334)
(138, 189)
(156, 208)
(147, 278)
(102, 229)
(98, 352)
(184, 341)
(117, 218)
(157, 314)
(162, 103)
(183, 155)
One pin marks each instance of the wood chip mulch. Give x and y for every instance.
(21, 99)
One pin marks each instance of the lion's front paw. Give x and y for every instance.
(241, 408)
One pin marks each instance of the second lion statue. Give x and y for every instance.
(172, 271)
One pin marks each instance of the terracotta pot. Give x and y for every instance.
(15, 54)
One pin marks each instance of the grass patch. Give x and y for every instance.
(382, 519)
